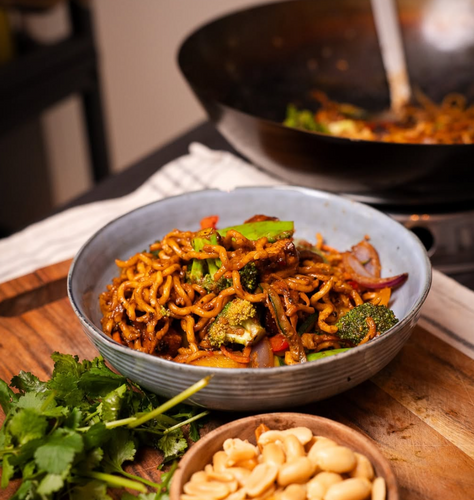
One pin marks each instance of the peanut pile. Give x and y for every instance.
(292, 464)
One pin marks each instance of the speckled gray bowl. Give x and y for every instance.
(341, 221)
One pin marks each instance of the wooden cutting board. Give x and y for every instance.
(419, 409)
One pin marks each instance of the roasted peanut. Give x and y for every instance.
(338, 459)
(303, 434)
(239, 451)
(219, 461)
(260, 479)
(273, 454)
(240, 474)
(322, 482)
(210, 489)
(270, 437)
(298, 471)
(283, 467)
(320, 443)
(363, 467)
(293, 447)
(315, 490)
(294, 492)
(199, 477)
(379, 489)
(350, 489)
(238, 495)
(223, 477)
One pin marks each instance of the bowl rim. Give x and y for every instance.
(358, 436)
(201, 371)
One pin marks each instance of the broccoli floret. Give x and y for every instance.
(353, 325)
(212, 286)
(249, 277)
(237, 323)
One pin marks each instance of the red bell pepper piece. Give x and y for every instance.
(210, 221)
(279, 343)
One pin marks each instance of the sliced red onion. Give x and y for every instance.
(362, 276)
(368, 256)
(262, 354)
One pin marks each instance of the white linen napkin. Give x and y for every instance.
(447, 313)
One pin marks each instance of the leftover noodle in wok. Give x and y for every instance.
(247, 296)
(451, 122)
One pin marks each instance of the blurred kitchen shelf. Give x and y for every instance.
(46, 74)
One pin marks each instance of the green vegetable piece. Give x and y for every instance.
(277, 311)
(50, 484)
(57, 453)
(7, 396)
(56, 450)
(7, 471)
(353, 325)
(308, 323)
(274, 230)
(172, 445)
(303, 119)
(27, 382)
(27, 425)
(100, 381)
(237, 323)
(92, 490)
(112, 403)
(119, 450)
(314, 356)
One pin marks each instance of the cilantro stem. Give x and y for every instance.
(119, 423)
(141, 479)
(172, 402)
(184, 422)
(47, 401)
(167, 476)
(116, 481)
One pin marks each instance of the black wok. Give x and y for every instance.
(246, 67)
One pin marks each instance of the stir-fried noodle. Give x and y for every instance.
(450, 122)
(286, 295)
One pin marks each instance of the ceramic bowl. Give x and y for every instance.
(201, 453)
(341, 221)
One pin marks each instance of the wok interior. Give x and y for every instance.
(246, 67)
(260, 59)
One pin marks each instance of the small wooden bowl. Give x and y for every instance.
(201, 453)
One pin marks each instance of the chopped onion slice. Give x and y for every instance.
(362, 276)
(368, 256)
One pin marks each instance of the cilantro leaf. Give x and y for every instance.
(74, 419)
(172, 445)
(141, 496)
(66, 364)
(27, 382)
(27, 425)
(41, 402)
(7, 471)
(119, 449)
(100, 381)
(93, 490)
(65, 387)
(91, 460)
(26, 490)
(50, 484)
(6, 397)
(112, 403)
(97, 435)
(59, 450)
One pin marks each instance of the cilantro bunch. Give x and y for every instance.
(70, 436)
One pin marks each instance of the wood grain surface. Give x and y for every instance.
(419, 409)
